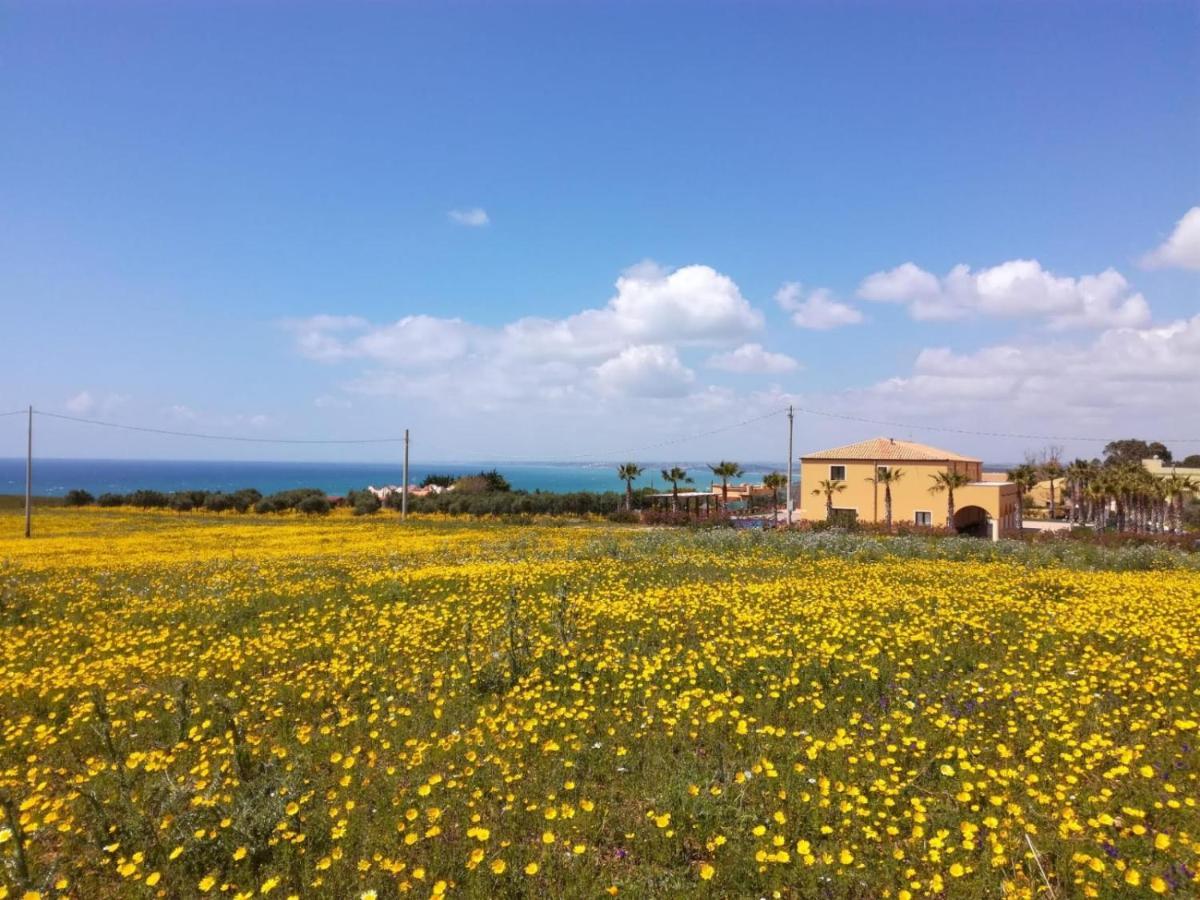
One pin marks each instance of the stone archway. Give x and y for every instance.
(973, 521)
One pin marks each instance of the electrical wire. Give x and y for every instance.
(219, 437)
(609, 454)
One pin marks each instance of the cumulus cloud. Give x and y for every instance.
(691, 306)
(1182, 249)
(819, 310)
(1019, 287)
(752, 358)
(652, 307)
(475, 217)
(1120, 376)
(319, 337)
(648, 370)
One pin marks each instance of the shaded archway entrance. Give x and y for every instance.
(973, 521)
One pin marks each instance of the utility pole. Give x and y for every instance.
(29, 475)
(790, 499)
(404, 496)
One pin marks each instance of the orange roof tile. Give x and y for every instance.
(882, 448)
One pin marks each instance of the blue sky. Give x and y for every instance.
(183, 187)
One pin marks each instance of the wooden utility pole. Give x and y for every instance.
(790, 499)
(29, 476)
(404, 496)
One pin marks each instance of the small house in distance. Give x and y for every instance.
(982, 508)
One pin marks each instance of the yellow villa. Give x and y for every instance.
(983, 507)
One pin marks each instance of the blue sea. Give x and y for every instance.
(54, 477)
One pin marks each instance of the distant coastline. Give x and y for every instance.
(54, 477)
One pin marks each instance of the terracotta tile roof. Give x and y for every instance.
(882, 448)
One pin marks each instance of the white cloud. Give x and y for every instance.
(819, 311)
(695, 304)
(1019, 287)
(691, 306)
(630, 345)
(317, 336)
(475, 217)
(752, 358)
(1125, 376)
(648, 370)
(1182, 249)
(85, 403)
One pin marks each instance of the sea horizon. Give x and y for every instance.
(54, 476)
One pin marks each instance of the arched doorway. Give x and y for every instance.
(973, 521)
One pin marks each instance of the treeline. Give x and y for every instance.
(314, 502)
(306, 500)
(481, 482)
(1117, 492)
(519, 503)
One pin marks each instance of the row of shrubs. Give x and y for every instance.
(518, 503)
(314, 501)
(306, 500)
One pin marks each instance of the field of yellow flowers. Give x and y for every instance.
(223, 707)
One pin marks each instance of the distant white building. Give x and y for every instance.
(388, 489)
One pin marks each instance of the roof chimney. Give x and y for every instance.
(893, 440)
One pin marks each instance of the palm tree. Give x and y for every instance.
(726, 470)
(628, 472)
(887, 477)
(1099, 493)
(1177, 486)
(1052, 470)
(948, 481)
(828, 488)
(1078, 474)
(775, 480)
(1025, 478)
(676, 476)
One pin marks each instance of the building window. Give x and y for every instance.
(923, 518)
(880, 471)
(843, 516)
(837, 473)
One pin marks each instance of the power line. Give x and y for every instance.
(592, 455)
(219, 437)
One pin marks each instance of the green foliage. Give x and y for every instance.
(240, 501)
(314, 504)
(78, 497)
(148, 499)
(285, 500)
(1134, 450)
(364, 503)
(483, 483)
(518, 503)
